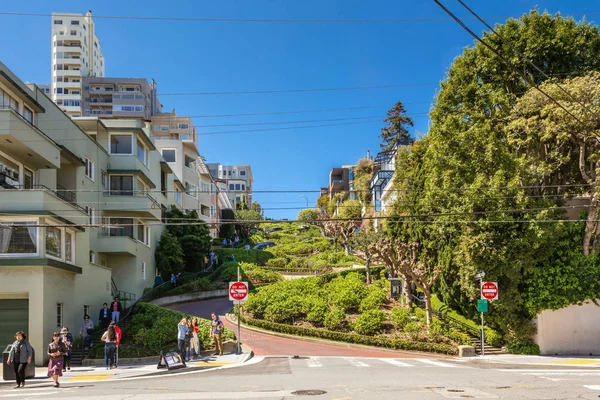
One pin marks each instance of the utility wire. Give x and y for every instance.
(524, 57)
(505, 60)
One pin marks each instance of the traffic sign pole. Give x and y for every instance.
(239, 350)
(238, 293)
(482, 330)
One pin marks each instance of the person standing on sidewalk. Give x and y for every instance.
(87, 328)
(195, 341)
(56, 351)
(110, 344)
(104, 316)
(67, 340)
(116, 309)
(182, 332)
(119, 334)
(20, 355)
(216, 329)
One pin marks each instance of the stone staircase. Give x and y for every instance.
(488, 350)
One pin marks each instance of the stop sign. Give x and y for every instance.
(489, 290)
(238, 291)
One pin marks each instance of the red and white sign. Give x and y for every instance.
(489, 290)
(238, 292)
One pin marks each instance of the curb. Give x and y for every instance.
(332, 342)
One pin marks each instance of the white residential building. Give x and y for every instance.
(76, 54)
(237, 181)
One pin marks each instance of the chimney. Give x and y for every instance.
(368, 154)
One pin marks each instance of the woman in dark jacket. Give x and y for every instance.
(20, 355)
(56, 351)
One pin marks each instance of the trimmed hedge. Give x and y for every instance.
(354, 338)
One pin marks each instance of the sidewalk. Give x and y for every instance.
(81, 374)
(519, 361)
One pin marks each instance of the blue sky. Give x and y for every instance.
(243, 56)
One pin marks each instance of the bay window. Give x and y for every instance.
(54, 242)
(121, 144)
(18, 238)
(121, 185)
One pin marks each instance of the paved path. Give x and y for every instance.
(264, 344)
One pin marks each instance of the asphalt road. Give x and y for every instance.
(339, 378)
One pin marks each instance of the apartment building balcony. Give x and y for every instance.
(71, 72)
(71, 61)
(338, 184)
(69, 85)
(24, 141)
(96, 89)
(132, 204)
(39, 200)
(114, 245)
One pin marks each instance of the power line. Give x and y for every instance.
(301, 90)
(505, 60)
(290, 122)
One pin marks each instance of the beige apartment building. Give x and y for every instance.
(235, 180)
(80, 212)
(119, 98)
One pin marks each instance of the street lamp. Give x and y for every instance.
(306, 200)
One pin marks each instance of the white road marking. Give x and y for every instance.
(592, 387)
(313, 362)
(436, 363)
(356, 362)
(24, 393)
(395, 362)
(180, 395)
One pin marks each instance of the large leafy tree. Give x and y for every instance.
(465, 179)
(246, 220)
(363, 173)
(168, 255)
(396, 129)
(192, 234)
(366, 241)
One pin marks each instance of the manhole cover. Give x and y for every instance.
(456, 390)
(308, 392)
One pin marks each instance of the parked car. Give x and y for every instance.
(270, 230)
(253, 230)
(263, 245)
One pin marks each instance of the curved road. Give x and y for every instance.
(270, 345)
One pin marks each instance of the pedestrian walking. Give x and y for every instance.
(110, 345)
(236, 240)
(119, 334)
(104, 316)
(182, 331)
(216, 329)
(19, 356)
(56, 351)
(116, 309)
(195, 341)
(173, 279)
(67, 340)
(188, 340)
(87, 328)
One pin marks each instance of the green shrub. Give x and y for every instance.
(277, 263)
(437, 327)
(459, 337)
(524, 347)
(400, 316)
(259, 257)
(420, 314)
(376, 297)
(316, 310)
(355, 338)
(346, 293)
(335, 320)
(286, 310)
(413, 329)
(370, 322)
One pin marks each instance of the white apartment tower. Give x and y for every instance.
(76, 54)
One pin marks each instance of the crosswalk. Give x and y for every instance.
(368, 362)
(557, 375)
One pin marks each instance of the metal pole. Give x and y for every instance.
(239, 330)
(482, 331)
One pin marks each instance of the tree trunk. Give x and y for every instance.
(428, 311)
(408, 293)
(367, 270)
(590, 224)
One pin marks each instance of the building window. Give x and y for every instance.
(143, 233)
(183, 126)
(121, 185)
(143, 271)
(18, 239)
(58, 22)
(74, 22)
(231, 186)
(86, 310)
(59, 315)
(92, 257)
(91, 214)
(243, 173)
(169, 155)
(89, 169)
(237, 186)
(190, 162)
(142, 152)
(53, 242)
(69, 246)
(121, 227)
(243, 187)
(191, 190)
(121, 144)
(28, 115)
(178, 196)
(163, 183)
(73, 33)
(7, 101)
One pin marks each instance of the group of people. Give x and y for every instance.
(231, 243)
(106, 315)
(188, 342)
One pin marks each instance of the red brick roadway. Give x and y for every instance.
(264, 344)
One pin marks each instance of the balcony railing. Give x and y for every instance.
(61, 193)
(133, 193)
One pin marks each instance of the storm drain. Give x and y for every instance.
(314, 392)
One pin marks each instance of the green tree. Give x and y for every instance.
(366, 241)
(396, 130)
(308, 215)
(242, 204)
(192, 234)
(246, 220)
(256, 207)
(363, 174)
(168, 254)
(227, 228)
(345, 223)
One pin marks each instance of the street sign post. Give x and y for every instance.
(238, 293)
(482, 305)
(489, 290)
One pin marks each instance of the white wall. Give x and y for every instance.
(573, 330)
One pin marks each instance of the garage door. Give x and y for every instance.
(14, 314)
